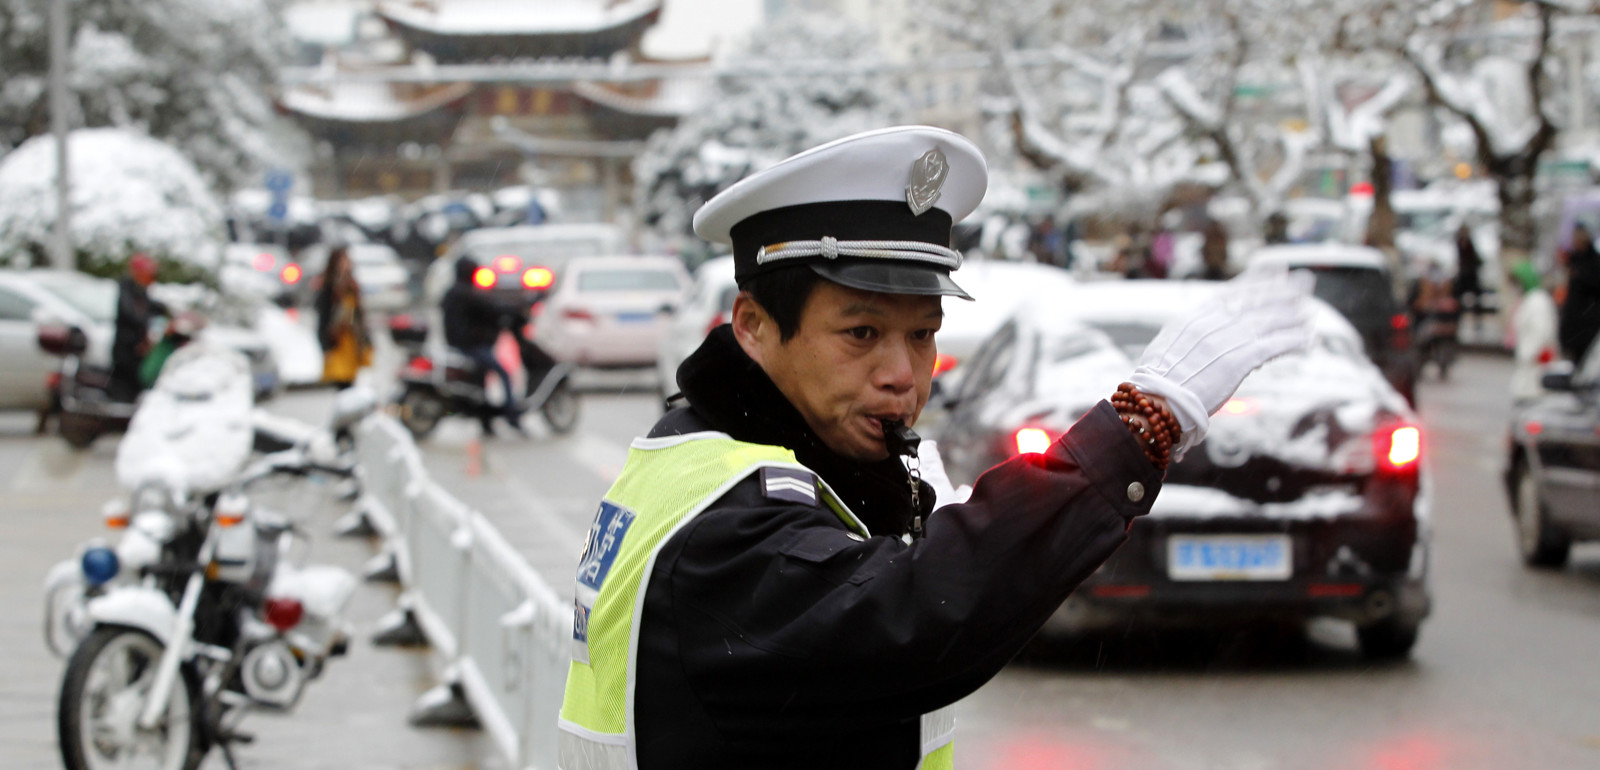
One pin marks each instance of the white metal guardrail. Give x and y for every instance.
(503, 632)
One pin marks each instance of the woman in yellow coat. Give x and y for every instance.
(341, 322)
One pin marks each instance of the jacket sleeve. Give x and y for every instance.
(784, 620)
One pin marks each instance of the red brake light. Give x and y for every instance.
(1399, 322)
(483, 278)
(1399, 448)
(1032, 441)
(420, 364)
(265, 262)
(942, 363)
(507, 263)
(291, 274)
(537, 278)
(283, 613)
(1547, 355)
(1534, 428)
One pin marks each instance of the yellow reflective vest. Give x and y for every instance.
(665, 484)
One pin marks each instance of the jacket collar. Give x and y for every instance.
(734, 395)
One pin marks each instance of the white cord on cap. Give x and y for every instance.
(832, 248)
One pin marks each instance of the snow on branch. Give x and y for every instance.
(1180, 91)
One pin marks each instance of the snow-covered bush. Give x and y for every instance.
(129, 193)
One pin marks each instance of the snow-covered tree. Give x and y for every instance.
(191, 72)
(1502, 87)
(761, 110)
(130, 193)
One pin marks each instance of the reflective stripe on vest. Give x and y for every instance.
(665, 484)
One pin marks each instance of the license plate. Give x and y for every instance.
(635, 318)
(1229, 557)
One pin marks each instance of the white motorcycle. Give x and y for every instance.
(200, 614)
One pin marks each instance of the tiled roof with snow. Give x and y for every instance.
(515, 17)
(360, 102)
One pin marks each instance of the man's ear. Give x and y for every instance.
(753, 327)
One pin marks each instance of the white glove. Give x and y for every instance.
(1198, 361)
(931, 468)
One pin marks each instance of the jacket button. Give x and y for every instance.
(1136, 491)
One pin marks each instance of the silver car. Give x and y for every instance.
(31, 297)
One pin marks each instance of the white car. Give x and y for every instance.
(708, 304)
(516, 254)
(608, 311)
(383, 278)
(31, 297)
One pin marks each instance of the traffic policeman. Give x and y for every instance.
(767, 585)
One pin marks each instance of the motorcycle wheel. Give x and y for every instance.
(420, 412)
(102, 694)
(79, 430)
(560, 410)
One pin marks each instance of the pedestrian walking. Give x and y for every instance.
(1534, 326)
(341, 321)
(1214, 253)
(1468, 287)
(131, 340)
(766, 584)
(1580, 310)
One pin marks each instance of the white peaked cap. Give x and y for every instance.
(869, 166)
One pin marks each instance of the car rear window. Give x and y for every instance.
(1131, 338)
(1361, 294)
(95, 299)
(627, 280)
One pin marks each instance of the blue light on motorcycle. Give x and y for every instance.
(100, 565)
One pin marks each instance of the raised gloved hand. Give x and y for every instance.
(1198, 360)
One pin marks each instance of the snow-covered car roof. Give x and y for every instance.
(1319, 255)
(998, 289)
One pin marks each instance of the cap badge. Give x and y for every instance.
(927, 177)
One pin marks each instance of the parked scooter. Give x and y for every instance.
(87, 403)
(199, 615)
(434, 387)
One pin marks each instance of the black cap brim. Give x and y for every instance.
(889, 277)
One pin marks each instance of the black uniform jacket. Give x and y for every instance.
(134, 310)
(772, 638)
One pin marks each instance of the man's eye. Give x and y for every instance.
(862, 332)
(923, 335)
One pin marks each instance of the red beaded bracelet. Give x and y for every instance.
(1151, 423)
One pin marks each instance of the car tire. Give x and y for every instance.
(79, 430)
(1540, 544)
(560, 408)
(1388, 639)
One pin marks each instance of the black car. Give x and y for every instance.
(1356, 281)
(1306, 499)
(1553, 476)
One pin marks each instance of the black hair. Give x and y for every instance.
(783, 294)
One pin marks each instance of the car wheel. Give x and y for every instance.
(1540, 544)
(1388, 639)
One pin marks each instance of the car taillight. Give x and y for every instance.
(1240, 406)
(1399, 322)
(942, 363)
(291, 274)
(420, 364)
(1032, 441)
(537, 278)
(1547, 355)
(264, 262)
(576, 314)
(1398, 448)
(720, 319)
(507, 264)
(1534, 428)
(483, 278)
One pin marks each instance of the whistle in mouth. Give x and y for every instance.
(900, 438)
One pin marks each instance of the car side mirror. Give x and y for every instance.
(62, 340)
(1560, 382)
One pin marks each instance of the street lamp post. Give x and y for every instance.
(60, 244)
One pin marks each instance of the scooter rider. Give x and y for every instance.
(472, 325)
(765, 584)
(132, 338)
